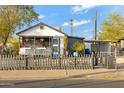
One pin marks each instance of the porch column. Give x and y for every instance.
(99, 44)
(110, 47)
(19, 42)
(49, 42)
(34, 44)
(50, 45)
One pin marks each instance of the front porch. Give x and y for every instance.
(35, 45)
(39, 46)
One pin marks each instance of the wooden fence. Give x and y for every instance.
(120, 53)
(19, 62)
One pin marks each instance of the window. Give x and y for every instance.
(55, 41)
(28, 42)
(55, 49)
(41, 27)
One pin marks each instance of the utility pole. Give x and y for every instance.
(94, 44)
(71, 27)
(95, 26)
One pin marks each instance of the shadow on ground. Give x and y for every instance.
(78, 83)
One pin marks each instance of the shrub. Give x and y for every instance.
(78, 46)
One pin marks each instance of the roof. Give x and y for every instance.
(76, 37)
(90, 41)
(39, 25)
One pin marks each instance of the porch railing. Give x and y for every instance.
(35, 51)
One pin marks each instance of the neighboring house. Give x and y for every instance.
(120, 44)
(120, 47)
(42, 39)
(100, 45)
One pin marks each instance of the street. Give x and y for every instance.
(108, 79)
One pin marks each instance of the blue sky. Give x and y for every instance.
(83, 16)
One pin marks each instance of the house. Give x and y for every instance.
(100, 45)
(120, 44)
(120, 47)
(42, 39)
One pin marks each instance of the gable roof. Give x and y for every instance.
(76, 37)
(39, 25)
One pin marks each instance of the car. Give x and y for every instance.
(87, 51)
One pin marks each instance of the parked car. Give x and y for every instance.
(87, 51)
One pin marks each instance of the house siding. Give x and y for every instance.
(101, 47)
(61, 45)
(36, 31)
(122, 43)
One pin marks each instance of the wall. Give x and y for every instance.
(122, 43)
(61, 46)
(36, 31)
(102, 47)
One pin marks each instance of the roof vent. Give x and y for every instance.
(41, 27)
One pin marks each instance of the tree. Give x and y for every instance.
(13, 45)
(77, 46)
(13, 17)
(65, 43)
(112, 28)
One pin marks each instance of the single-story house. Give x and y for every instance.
(120, 47)
(42, 39)
(120, 44)
(100, 45)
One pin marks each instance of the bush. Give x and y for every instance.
(78, 46)
(14, 45)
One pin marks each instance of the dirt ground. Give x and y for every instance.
(49, 74)
(62, 79)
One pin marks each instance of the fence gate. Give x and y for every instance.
(105, 60)
(120, 60)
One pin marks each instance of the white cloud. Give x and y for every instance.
(65, 24)
(88, 6)
(41, 16)
(85, 31)
(80, 8)
(82, 22)
(77, 23)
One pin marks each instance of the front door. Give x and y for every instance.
(56, 46)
